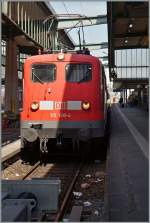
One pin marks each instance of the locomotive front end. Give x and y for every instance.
(62, 100)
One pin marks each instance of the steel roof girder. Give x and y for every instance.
(81, 21)
(102, 45)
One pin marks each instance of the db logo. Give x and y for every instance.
(60, 105)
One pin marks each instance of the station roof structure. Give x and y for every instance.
(26, 43)
(127, 27)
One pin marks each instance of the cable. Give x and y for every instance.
(83, 34)
(66, 10)
(65, 7)
(79, 38)
(81, 9)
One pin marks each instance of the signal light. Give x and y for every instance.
(34, 106)
(86, 105)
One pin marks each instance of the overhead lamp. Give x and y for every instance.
(138, 86)
(130, 25)
(126, 41)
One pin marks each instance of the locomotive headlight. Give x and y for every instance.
(61, 56)
(86, 105)
(34, 106)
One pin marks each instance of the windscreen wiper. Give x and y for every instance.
(37, 77)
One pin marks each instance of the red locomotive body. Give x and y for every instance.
(64, 98)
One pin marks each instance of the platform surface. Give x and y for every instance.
(127, 166)
(10, 150)
(10, 135)
(11, 143)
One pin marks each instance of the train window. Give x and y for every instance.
(43, 73)
(78, 72)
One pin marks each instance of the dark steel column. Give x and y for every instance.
(11, 78)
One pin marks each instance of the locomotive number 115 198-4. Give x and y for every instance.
(60, 115)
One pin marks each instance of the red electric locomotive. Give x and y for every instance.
(65, 99)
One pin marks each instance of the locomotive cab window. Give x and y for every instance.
(78, 73)
(43, 73)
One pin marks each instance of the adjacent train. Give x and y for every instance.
(64, 100)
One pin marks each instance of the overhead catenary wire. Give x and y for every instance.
(66, 10)
(54, 17)
(83, 36)
(68, 15)
(79, 38)
(81, 7)
(65, 7)
(75, 26)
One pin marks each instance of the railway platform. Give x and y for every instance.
(10, 150)
(127, 165)
(10, 135)
(10, 143)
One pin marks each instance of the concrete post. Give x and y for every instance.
(126, 96)
(11, 78)
(123, 94)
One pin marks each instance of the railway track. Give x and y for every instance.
(68, 195)
(85, 194)
(16, 170)
(72, 175)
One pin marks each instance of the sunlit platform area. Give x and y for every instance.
(127, 173)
